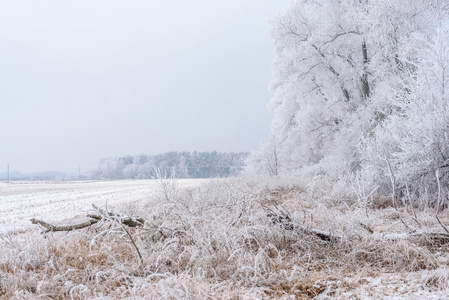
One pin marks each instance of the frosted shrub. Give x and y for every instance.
(220, 230)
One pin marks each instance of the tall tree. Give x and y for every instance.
(341, 69)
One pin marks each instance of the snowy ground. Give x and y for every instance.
(63, 264)
(54, 201)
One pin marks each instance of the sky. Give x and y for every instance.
(88, 79)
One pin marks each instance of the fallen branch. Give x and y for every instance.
(128, 221)
(286, 223)
(49, 227)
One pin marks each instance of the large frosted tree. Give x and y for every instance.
(342, 70)
(415, 139)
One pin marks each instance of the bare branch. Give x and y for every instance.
(438, 202)
(393, 195)
(336, 36)
(333, 71)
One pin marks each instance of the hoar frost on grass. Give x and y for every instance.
(240, 238)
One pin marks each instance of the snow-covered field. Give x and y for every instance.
(56, 201)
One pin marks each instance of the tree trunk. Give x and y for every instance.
(365, 83)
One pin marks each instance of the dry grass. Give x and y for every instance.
(229, 239)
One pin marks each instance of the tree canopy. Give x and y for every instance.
(360, 86)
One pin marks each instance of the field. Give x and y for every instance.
(58, 201)
(240, 238)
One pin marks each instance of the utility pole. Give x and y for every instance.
(8, 173)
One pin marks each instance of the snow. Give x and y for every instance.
(58, 201)
(385, 286)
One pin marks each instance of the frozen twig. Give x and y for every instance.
(415, 218)
(393, 195)
(438, 202)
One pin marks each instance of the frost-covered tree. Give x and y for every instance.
(343, 70)
(109, 168)
(416, 139)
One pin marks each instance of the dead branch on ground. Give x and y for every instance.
(94, 218)
(49, 227)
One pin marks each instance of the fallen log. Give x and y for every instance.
(287, 223)
(94, 218)
(49, 227)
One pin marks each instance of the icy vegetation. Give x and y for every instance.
(244, 238)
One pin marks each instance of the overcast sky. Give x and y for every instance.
(87, 79)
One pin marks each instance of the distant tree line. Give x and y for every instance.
(181, 164)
